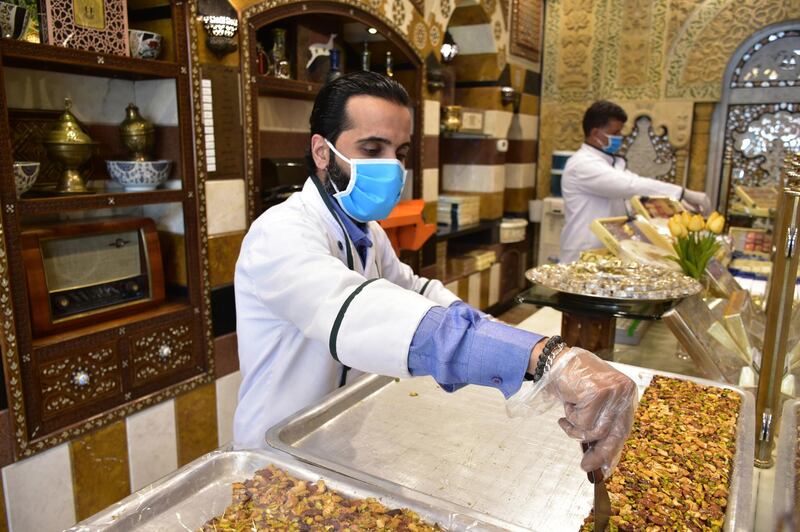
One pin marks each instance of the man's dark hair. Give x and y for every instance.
(599, 114)
(329, 119)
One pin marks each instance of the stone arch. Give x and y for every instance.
(698, 56)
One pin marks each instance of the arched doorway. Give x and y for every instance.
(758, 116)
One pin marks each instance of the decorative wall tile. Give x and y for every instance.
(473, 178)
(430, 151)
(226, 354)
(223, 250)
(152, 444)
(227, 399)
(431, 113)
(430, 184)
(497, 124)
(524, 127)
(173, 253)
(520, 175)
(474, 39)
(522, 151)
(225, 205)
(47, 479)
(283, 114)
(102, 454)
(196, 422)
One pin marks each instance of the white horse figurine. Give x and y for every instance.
(320, 49)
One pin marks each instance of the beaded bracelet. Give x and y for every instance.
(553, 347)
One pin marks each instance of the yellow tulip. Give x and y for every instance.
(716, 224)
(675, 227)
(696, 223)
(685, 218)
(713, 215)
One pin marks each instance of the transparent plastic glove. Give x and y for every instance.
(698, 200)
(599, 403)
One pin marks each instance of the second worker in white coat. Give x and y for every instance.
(596, 182)
(319, 290)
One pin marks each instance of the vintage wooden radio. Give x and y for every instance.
(82, 272)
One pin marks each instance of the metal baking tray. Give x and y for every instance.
(522, 473)
(201, 490)
(785, 494)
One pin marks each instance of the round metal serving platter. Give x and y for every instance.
(596, 297)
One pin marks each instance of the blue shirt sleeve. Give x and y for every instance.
(459, 345)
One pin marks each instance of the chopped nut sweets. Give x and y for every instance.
(273, 500)
(675, 468)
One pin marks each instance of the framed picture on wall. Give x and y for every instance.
(94, 25)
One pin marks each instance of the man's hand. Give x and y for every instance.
(599, 403)
(698, 200)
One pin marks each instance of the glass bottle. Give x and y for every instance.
(334, 72)
(365, 58)
(279, 66)
(263, 60)
(389, 65)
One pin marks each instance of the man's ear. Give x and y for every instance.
(320, 151)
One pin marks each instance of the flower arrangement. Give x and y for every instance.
(695, 240)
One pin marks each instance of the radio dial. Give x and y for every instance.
(63, 302)
(133, 287)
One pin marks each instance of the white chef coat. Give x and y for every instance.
(297, 302)
(597, 185)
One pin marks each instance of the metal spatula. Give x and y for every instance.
(602, 504)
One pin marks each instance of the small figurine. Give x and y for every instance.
(320, 49)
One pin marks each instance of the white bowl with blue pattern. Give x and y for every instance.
(139, 176)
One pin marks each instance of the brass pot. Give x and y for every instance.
(69, 145)
(451, 121)
(138, 134)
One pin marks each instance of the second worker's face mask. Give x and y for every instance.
(374, 188)
(613, 143)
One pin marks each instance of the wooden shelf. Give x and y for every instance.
(444, 233)
(23, 54)
(51, 204)
(268, 86)
(162, 311)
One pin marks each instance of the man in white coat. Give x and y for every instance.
(319, 290)
(596, 182)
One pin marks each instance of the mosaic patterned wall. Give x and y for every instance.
(665, 56)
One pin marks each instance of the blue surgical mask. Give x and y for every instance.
(374, 188)
(613, 144)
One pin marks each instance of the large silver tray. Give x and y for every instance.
(201, 490)
(785, 493)
(522, 473)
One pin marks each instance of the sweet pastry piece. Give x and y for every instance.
(274, 500)
(675, 469)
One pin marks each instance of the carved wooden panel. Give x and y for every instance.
(95, 25)
(155, 355)
(526, 29)
(77, 379)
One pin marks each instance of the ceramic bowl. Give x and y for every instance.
(25, 174)
(144, 44)
(139, 176)
(13, 20)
